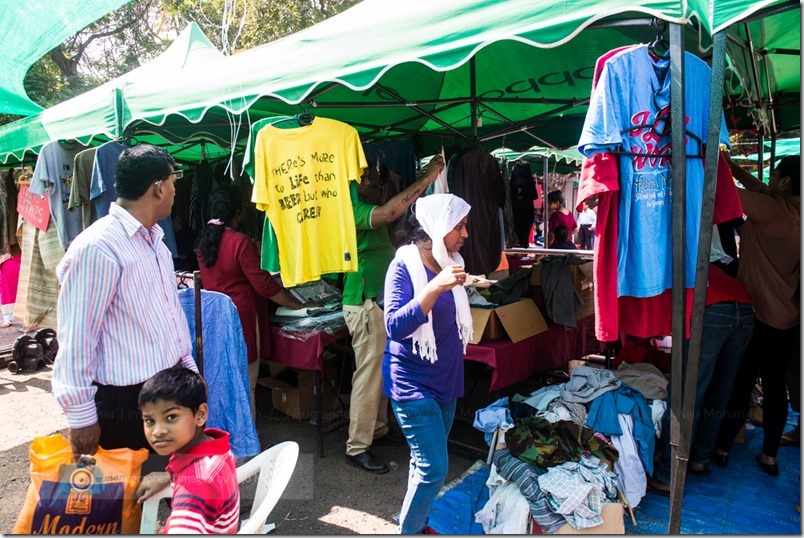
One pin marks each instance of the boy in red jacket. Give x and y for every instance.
(206, 497)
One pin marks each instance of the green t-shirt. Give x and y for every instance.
(374, 255)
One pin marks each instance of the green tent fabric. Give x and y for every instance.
(536, 154)
(776, 40)
(30, 29)
(93, 117)
(413, 69)
(404, 69)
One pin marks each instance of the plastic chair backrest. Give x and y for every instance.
(275, 467)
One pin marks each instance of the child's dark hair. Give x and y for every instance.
(177, 384)
(561, 233)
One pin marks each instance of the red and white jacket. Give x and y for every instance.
(206, 496)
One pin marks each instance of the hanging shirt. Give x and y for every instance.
(53, 175)
(643, 317)
(79, 190)
(302, 178)
(225, 367)
(103, 192)
(629, 110)
(479, 182)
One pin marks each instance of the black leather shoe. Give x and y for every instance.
(657, 487)
(698, 470)
(721, 460)
(771, 469)
(368, 462)
(392, 438)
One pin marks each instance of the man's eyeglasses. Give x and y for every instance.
(178, 173)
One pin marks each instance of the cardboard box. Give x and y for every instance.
(518, 320)
(293, 390)
(582, 276)
(613, 522)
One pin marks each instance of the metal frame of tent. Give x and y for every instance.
(683, 393)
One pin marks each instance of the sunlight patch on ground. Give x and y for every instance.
(27, 408)
(357, 521)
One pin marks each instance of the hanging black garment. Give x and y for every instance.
(199, 196)
(378, 184)
(478, 181)
(523, 193)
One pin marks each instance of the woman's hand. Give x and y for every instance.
(449, 277)
(151, 484)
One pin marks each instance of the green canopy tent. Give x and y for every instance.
(442, 72)
(30, 29)
(438, 71)
(455, 70)
(94, 117)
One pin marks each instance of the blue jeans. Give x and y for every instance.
(727, 329)
(426, 424)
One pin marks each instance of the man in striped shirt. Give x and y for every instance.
(119, 317)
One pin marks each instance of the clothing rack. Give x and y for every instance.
(195, 278)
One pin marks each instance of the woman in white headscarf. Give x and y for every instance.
(429, 323)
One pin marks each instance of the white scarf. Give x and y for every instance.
(437, 214)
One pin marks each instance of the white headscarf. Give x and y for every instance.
(437, 214)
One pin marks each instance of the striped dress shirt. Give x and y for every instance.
(119, 317)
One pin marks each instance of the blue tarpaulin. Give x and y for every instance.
(738, 499)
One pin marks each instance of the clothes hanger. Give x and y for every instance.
(659, 48)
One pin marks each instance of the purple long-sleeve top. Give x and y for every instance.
(407, 376)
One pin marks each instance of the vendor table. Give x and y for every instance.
(514, 362)
(308, 355)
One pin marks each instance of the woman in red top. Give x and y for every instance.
(560, 216)
(229, 262)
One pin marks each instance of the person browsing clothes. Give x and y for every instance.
(362, 310)
(119, 317)
(429, 324)
(770, 262)
(229, 262)
(560, 216)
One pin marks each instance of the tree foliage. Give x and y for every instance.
(237, 25)
(141, 29)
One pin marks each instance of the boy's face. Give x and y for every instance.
(170, 427)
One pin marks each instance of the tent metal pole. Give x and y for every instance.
(772, 10)
(623, 23)
(704, 244)
(473, 95)
(527, 124)
(545, 192)
(759, 101)
(678, 187)
(771, 109)
(421, 111)
(118, 113)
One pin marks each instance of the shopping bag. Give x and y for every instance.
(86, 497)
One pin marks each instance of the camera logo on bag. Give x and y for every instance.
(79, 501)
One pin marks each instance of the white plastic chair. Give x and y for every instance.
(275, 466)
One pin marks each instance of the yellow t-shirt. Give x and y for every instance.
(301, 181)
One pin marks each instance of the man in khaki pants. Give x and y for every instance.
(368, 411)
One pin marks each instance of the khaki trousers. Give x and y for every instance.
(368, 410)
